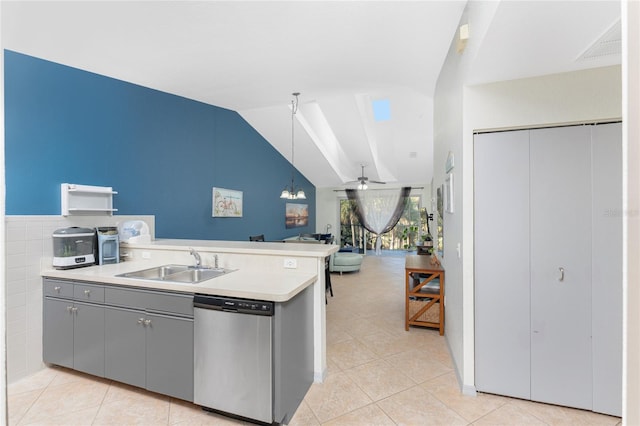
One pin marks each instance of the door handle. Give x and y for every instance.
(561, 278)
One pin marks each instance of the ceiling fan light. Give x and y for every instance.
(362, 186)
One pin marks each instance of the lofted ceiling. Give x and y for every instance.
(250, 56)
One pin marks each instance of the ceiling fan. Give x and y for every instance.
(362, 180)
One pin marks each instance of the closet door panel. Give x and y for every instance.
(501, 206)
(607, 268)
(561, 366)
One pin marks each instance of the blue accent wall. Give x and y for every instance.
(162, 153)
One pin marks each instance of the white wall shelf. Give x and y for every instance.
(86, 199)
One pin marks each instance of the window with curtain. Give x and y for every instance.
(391, 216)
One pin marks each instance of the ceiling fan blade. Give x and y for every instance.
(376, 181)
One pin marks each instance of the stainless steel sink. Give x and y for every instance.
(177, 273)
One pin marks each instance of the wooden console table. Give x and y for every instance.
(424, 301)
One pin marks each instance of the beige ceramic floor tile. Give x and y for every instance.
(65, 375)
(384, 343)
(134, 411)
(446, 389)
(304, 416)
(39, 380)
(508, 415)
(418, 364)
(337, 336)
(371, 415)
(379, 380)
(184, 413)
(20, 403)
(121, 392)
(416, 406)
(350, 353)
(361, 327)
(76, 418)
(557, 415)
(66, 398)
(336, 396)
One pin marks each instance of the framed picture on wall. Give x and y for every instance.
(226, 203)
(296, 215)
(448, 193)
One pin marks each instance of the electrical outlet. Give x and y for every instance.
(290, 263)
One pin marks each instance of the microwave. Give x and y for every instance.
(74, 247)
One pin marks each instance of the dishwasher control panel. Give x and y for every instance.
(230, 304)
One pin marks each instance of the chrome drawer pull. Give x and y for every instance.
(87, 292)
(561, 274)
(57, 288)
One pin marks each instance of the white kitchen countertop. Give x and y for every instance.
(275, 286)
(295, 248)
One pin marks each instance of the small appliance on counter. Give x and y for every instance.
(134, 232)
(73, 247)
(108, 245)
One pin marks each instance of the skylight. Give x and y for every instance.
(381, 110)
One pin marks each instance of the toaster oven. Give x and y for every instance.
(74, 247)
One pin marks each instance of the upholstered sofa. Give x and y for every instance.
(345, 262)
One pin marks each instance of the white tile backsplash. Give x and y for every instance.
(27, 241)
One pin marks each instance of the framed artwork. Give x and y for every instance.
(448, 193)
(296, 215)
(226, 203)
(439, 220)
(450, 163)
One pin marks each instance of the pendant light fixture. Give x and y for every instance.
(291, 193)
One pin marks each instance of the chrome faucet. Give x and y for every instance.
(215, 261)
(196, 255)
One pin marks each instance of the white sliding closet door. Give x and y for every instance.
(501, 193)
(561, 224)
(548, 265)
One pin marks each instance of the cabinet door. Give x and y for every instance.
(170, 355)
(502, 316)
(607, 269)
(561, 221)
(57, 345)
(125, 346)
(88, 339)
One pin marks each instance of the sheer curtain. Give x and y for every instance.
(379, 210)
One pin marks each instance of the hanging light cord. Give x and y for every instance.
(294, 110)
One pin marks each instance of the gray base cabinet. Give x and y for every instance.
(170, 355)
(58, 332)
(125, 351)
(143, 338)
(73, 331)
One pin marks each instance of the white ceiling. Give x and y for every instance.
(341, 55)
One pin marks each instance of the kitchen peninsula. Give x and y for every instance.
(291, 276)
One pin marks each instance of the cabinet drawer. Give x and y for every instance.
(58, 288)
(180, 304)
(88, 293)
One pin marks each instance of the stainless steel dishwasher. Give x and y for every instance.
(233, 356)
